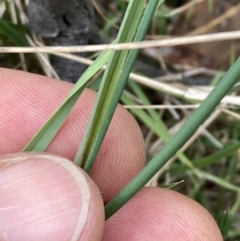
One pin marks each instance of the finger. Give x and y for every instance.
(45, 197)
(28, 100)
(161, 214)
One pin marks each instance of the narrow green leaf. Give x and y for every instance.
(157, 125)
(187, 130)
(20, 29)
(141, 95)
(45, 135)
(219, 181)
(224, 222)
(12, 33)
(93, 147)
(109, 91)
(227, 151)
(209, 160)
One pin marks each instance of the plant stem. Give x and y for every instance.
(176, 142)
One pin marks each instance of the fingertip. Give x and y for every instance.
(161, 214)
(46, 197)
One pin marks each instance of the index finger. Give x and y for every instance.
(28, 100)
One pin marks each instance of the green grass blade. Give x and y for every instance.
(45, 135)
(227, 151)
(110, 90)
(219, 181)
(209, 160)
(16, 37)
(141, 95)
(19, 29)
(186, 131)
(158, 126)
(224, 222)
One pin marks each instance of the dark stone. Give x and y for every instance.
(64, 23)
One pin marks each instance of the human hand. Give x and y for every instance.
(46, 197)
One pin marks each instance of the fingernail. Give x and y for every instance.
(42, 197)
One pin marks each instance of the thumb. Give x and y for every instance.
(46, 197)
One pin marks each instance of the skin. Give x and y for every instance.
(46, 197)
